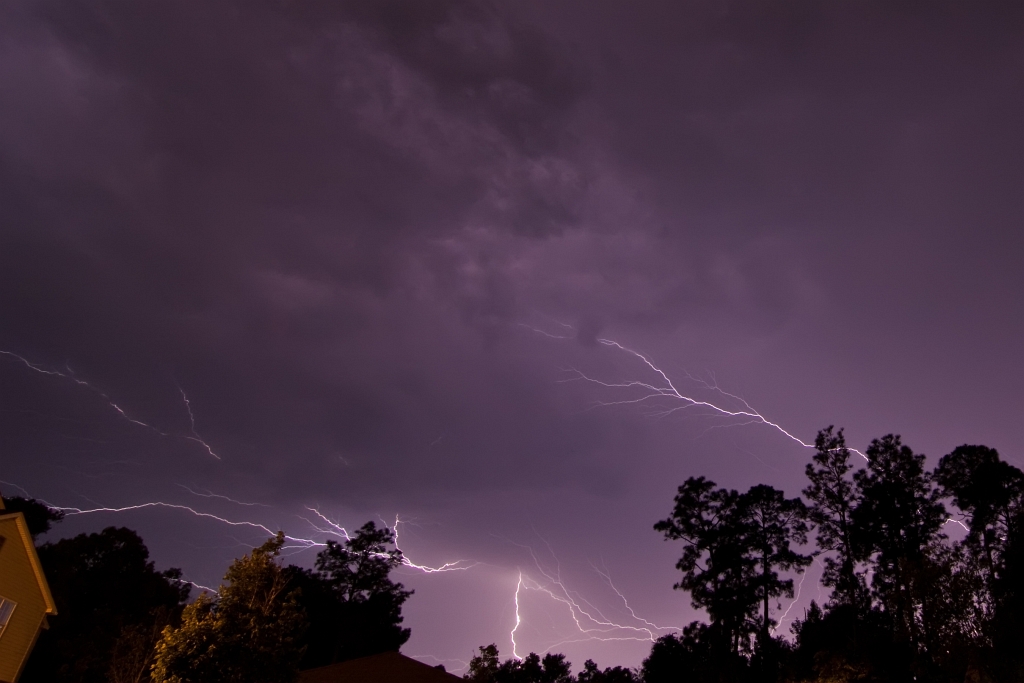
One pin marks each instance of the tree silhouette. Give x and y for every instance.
(989, 491)
(486, 667)
(734, 547)
(103, 584)
(718, 570)
(39, 516)
(897, 518)
(695, 656)
(833, 497)
(772, 523)
(353, 606)
(591, 673)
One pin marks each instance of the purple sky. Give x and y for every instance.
(372, 242)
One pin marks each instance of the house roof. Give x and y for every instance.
(387, 667)
(33, 558)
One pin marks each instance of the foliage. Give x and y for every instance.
(486, 667)
(591, 673)
(897, 519)
(717, 569)
(844, 643)
(733, 546)
(770, 524)
(249, 633)
(833, 497)
(102, 583)
(39, 516)
(989, 492)
(132, 656)
(353, 607)
(694, 656)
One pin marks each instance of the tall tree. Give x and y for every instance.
(898, 516)
(103, 583)
(833, 498)
(772, 523)
(718, 570)
(249, 633)
(353, 606)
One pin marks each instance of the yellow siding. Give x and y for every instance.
(18, 583)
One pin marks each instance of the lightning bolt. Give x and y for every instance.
(456, 566)
(590, 621)
(192, 422)
(301, 542)
(606, 575)
(519, 619)
(71, 376)
(210, 494)
(799, 590)
(957, 521)
(669, 390)
(214, 591)
(666, 389)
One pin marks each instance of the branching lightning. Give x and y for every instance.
(456, 566)
(590, 621)
(668, 390)
(70, 375)
(606, 575)
(300, 542)
(210, 494)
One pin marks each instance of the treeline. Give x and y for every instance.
(121, 621)
(906, 604)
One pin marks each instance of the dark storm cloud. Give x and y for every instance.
(294, 214)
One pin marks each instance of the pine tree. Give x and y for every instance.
(833, 498)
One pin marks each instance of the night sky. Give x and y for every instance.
(376, 248)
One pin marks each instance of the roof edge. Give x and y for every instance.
(33, 559)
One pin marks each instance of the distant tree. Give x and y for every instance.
(898, 517)
(39, 516)
(591, 673)
(486, 667)
(249, 633)
(718, 569)
(833, 498)
(353, 606)
(102, 583)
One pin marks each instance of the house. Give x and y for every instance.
(387, 667)
(25, 600)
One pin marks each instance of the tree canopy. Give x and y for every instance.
(104, 586)
(353, 606)
(249, 633)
